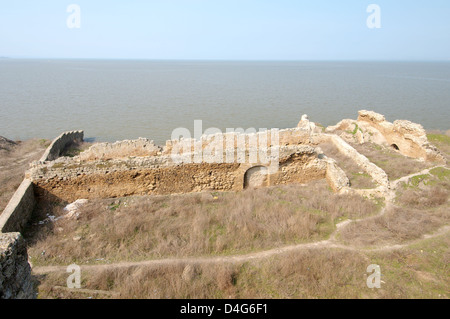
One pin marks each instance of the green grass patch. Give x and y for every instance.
(415, 181)
(114, 207)
(440, 138)
(441, 173)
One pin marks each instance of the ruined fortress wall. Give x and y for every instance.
(19, 208)
(336, 177)
(15, 271)
(139, 181)
(107, 151)
(233, 140)
(59, 143)
(377, 174)
(408, 138)
(158, 175)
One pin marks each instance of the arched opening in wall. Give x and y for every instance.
(395, 147)
(256, 177)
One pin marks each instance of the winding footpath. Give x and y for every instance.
(331, 243)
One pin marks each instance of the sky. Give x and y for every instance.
(226, 30)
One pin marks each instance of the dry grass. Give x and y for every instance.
(425, 191)
(14, 161)
(139, 228)
(422, 206)
(425, 198)
(398, 225)
(392, 162)
(299, 275)
(358, 178)
(420, 271)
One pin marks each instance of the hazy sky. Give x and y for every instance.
(226, 29)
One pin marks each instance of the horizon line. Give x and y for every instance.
(224, 60)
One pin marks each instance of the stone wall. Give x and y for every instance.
(21, 205)
(377, 174)
(233, 140)
(69, 179)
(59, 143)
(15, 271)
(19, 208)
(120, 149)
(336, 177)
(406, 137)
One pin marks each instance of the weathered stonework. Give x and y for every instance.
(120, 149)
(15, 271)
(139, 167)
(68, 179)
(378, 175)
(408, 138)
(59, 143)
(19, 209)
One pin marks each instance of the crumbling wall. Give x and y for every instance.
(59, 143)
(377, 174)
(69, 179)
(233, 140)
(15, 271)
(19, 209)
(336, 177)
(408, 138)
(21, 205)
(120, 149)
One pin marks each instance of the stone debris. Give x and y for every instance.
(73, 209)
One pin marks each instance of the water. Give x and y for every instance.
(115, 100)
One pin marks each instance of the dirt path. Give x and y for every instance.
(325, 244)
(330, 243)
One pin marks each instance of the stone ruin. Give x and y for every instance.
(139, 167)
(408, 138)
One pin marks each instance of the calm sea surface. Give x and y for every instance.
(115, 100)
